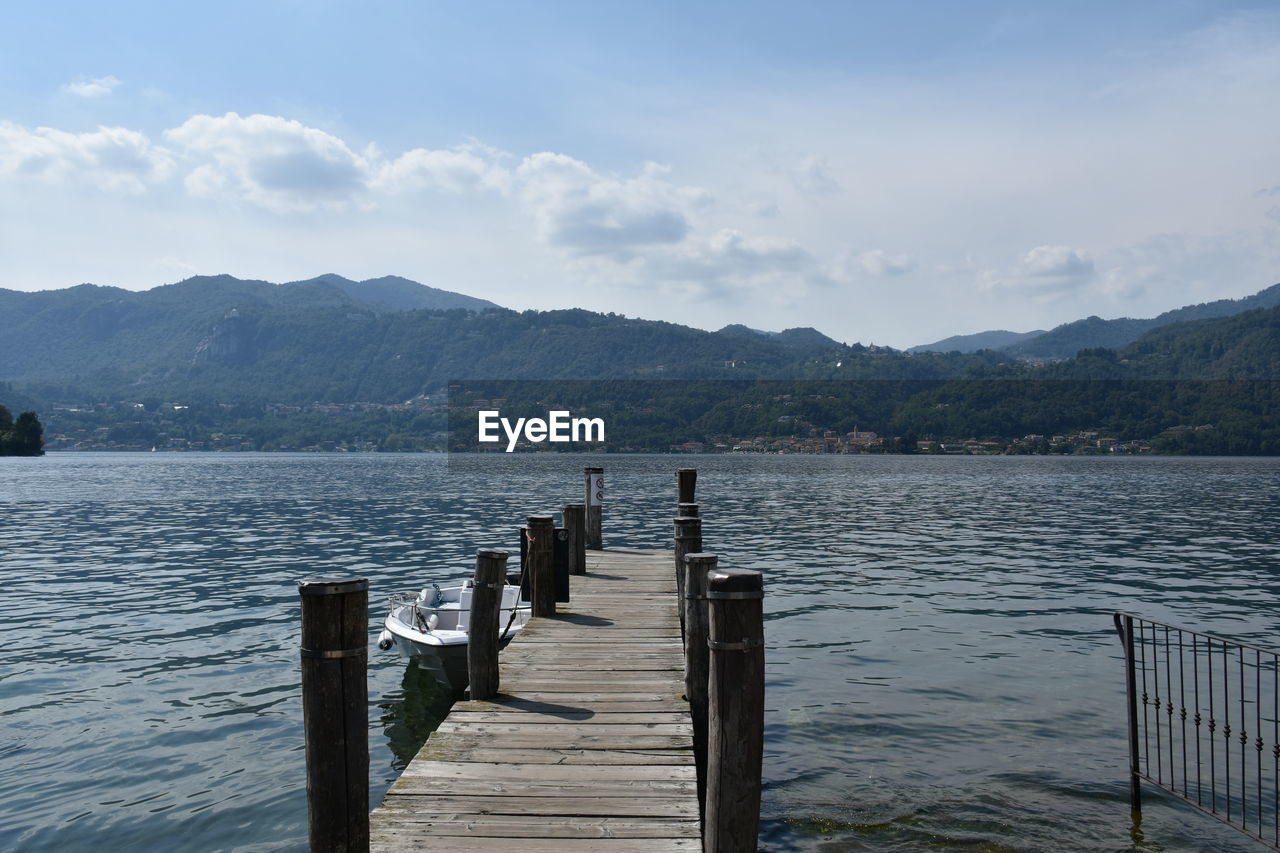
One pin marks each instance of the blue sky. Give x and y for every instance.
(889, 173)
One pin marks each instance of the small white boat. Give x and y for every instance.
(440, 616)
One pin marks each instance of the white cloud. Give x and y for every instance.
(577, 209)
(813, 177)
(881, 263)
(95, 88)
(110, 158)
(1043, 270)
(274, 162)
(1059, 262)
(724, 265)
(456, 170)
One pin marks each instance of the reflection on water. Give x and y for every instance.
(430, 686)
(942, 672)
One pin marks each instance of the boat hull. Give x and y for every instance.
(415, 628)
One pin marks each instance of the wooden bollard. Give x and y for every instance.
(594, 491)
(735, 709)
(484, 625)
(335, 712)
(688, 540)
(686, 482)
(542, 568)
(694, 605)
(575, 522)
(687, 510)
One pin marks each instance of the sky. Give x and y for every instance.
(888, 173)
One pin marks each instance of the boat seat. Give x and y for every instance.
(464, 609)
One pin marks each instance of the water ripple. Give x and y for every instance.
(941, 667)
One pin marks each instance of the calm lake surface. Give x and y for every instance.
(942, 670)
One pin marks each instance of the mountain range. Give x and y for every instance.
(331, 339)
(223, 362)
(1065, 341)
(385, 340)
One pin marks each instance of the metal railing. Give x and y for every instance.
(1204, 722)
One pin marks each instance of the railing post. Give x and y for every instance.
(687, 510)
(686, 482)
(694, 605)
(735, 709)
(594, 491)
(688, 540)
(542, 569)
(575, 522)
(1124, 626)
(335, 712)
(482, 633)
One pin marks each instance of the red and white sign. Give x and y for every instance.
(598, 487)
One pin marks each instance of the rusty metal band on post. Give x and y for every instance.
(333, 653)
(322, 587)
(746, 645)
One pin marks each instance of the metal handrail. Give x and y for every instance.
(1202, 685)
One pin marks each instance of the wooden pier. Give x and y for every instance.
(587, 746)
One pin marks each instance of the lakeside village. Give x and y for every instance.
(416, 425)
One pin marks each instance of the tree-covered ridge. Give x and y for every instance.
(182, 369)
(1064, 341)
(23, 436)
(191, 344)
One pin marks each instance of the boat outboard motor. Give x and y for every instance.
(386, 640)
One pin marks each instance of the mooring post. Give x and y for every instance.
(484, 625)
(594, 479)
(335, 712)
(686, 482)
(575, 521)
(688, 540)
(687, 510)
(735, 709)
(694, 604)
(542, 569)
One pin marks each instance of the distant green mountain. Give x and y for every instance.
(220, 338)
(996, 339)
(217, 362)
(1066, 340)
(393, 293)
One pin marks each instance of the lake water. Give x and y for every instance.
(942, 670)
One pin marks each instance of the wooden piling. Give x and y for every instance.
(686, 482)
(542, 578)
(484, 624)
(735, 706)
(575, 522)
(335, 712)
(687, 510)
(694, 604)
(594, 490)
(688, 540)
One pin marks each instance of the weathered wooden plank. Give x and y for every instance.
(580, 706)
(588, 718)
(579, 700)
(398, 842)
(446, 749)
(522, 826)
(596, 789)
(682, 806)
(572, 687)
(543, 774)
(571, 729)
